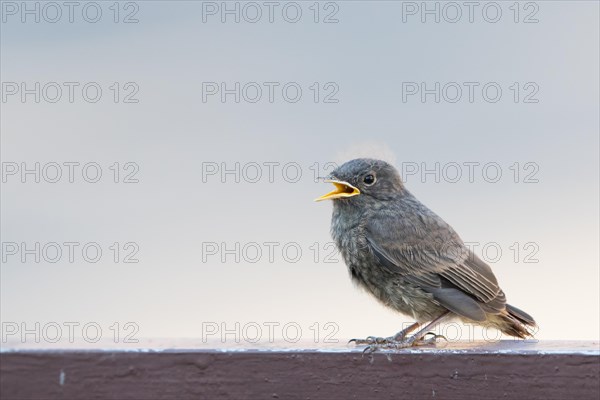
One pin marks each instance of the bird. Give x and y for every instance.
(410, 259)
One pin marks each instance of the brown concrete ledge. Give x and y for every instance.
(514, 370)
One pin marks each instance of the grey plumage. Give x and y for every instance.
(407, 256)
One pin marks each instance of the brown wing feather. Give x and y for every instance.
(475, 277)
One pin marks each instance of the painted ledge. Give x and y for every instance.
(186, 369)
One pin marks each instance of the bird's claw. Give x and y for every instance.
(431, 340)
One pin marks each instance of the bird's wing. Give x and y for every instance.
(426, 252)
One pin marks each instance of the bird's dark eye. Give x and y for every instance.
(369, 179)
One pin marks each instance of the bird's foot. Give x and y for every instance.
(375, 343)
(372, 340)
(432, 340)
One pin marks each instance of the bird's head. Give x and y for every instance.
(363, 179)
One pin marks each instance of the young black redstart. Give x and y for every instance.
(410, 259)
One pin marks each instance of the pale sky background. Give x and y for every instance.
(170, 134)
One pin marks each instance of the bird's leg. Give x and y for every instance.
(418, 339)
(402, 334)
(390, 339)
(399, 341)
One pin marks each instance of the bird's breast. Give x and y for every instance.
(350, 239)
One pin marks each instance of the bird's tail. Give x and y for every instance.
(515, 322)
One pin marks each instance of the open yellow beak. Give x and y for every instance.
(342, 189)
